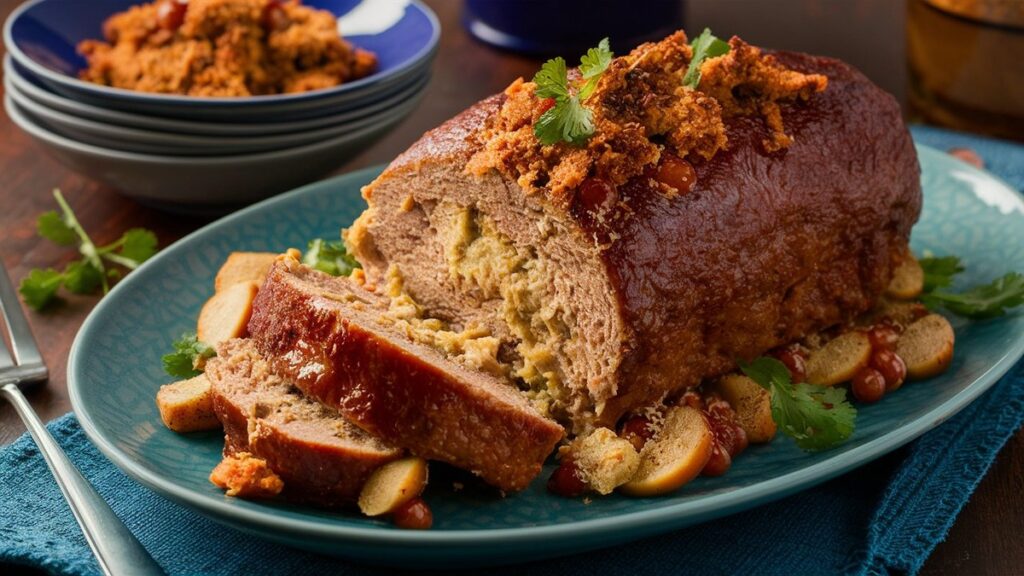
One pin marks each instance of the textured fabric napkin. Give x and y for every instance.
(882, 518)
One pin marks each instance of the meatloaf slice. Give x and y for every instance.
(322, 457)
(611, 313)
(335, 340)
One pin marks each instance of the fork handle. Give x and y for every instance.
(116, 549)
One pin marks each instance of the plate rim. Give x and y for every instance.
(643, 522)
(124, 95)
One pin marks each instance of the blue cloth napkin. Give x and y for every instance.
(883, 518)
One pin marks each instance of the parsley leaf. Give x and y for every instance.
(704, 46)
(330, 257)
(817, 418)
(81, 277)
(88, 274)
(592, 65)
(138, 244)
(552, 80)
(569, 120)
(939, 272)
(985, 301)
(188, 357)
(51, 226)
(40, 287)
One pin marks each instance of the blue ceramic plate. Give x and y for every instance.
(114, 372)
(42, 35)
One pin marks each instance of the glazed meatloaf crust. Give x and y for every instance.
(335, 340)
(611, 313)
(322, 458)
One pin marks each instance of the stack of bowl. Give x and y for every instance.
(202, 153)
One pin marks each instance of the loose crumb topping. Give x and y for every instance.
(641, 109)
(246, 476)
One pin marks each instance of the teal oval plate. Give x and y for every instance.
(114, 372)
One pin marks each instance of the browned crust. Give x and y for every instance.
(402, 393)
(321, 474)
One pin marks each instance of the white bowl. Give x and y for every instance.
(211, 184)
(146, 141)
(31, 89)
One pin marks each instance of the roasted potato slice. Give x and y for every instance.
(187, 406)
(675, 456)
(907, 280)
(392, 485)
(226, 314)
(926, 346)
(603, 460)
(243, 267)
(753, 406)
(839, 359)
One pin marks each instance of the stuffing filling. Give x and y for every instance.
(641, 109)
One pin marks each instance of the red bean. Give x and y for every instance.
(594, 194)
(413, 515)
(868, 386)
(565, 481)
(274, 16)
(692, 399)
(794, 361)
(170, 14)
(883, 337)
(545, 105)
(891, 367)
(675, 172)
(719, 462)
(637, 430)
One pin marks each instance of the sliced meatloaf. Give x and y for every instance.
(607, 312)
(322, 458)
(357, 351)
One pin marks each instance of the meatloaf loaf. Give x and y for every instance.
(322, 458)
(611, 292)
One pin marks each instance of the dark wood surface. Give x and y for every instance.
(985, 539)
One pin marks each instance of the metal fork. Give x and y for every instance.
(116, 549)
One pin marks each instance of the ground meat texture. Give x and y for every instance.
(656, 291)
(223, 48)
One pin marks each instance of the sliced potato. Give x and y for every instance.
(926, 346)
(675, 456)
(244, 267)
(603, 460)
(226, 314)
(839, 359)
(753, 406)
(392, 485)
(907, 280)
(187, 406)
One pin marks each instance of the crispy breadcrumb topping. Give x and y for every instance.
(641, 109)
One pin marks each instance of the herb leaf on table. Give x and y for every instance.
(88, 274)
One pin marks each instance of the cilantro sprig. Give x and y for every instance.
(704, 46)
(979, 302)
(815, 417)
(329, 256)
(569, 120)
(189, 356)
(89, 273)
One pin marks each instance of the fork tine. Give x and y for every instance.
(25, 351)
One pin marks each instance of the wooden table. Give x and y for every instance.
(985, 539)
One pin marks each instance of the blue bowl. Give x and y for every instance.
(42, 35)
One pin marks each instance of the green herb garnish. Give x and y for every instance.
(704, 46)
(188, 358)
(984, 301)
(569, 120)
(88, 274)
(817, 418)
(329, 256)
(939, 272)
